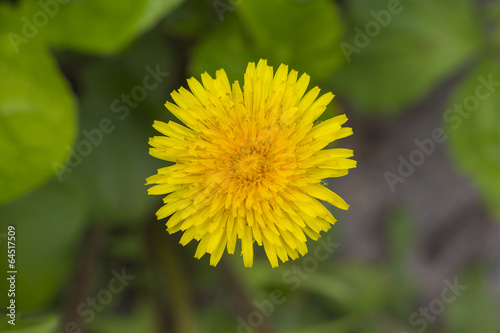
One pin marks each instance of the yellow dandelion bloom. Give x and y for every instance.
(249, 163)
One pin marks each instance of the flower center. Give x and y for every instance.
(248, 166)
(253, 160)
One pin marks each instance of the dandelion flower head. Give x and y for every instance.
(249, 164)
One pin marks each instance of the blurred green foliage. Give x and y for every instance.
(56, 210)
(305, 37)
(82, 81)
(419, 44)
(101, 27)
(46, 324)
(37, 117)
(474, 134)
(477, 309)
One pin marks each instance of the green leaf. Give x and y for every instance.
(189, 20)
(357, 288)
(491, 14)
(342, 325)
(48, 227)
(37, 111)
(215, 318)
(120, 100)
(475, 308)
(473, 131)
(302, 35)
(402, 59)
(224, 47)
(400, 243)
(400, 236)
(95, 26)
(39, 325)
(274, 30)
(154, 11)
(142, 319)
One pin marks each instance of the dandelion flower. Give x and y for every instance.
(249, 164)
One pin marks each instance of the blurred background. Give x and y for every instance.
(82, 81)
